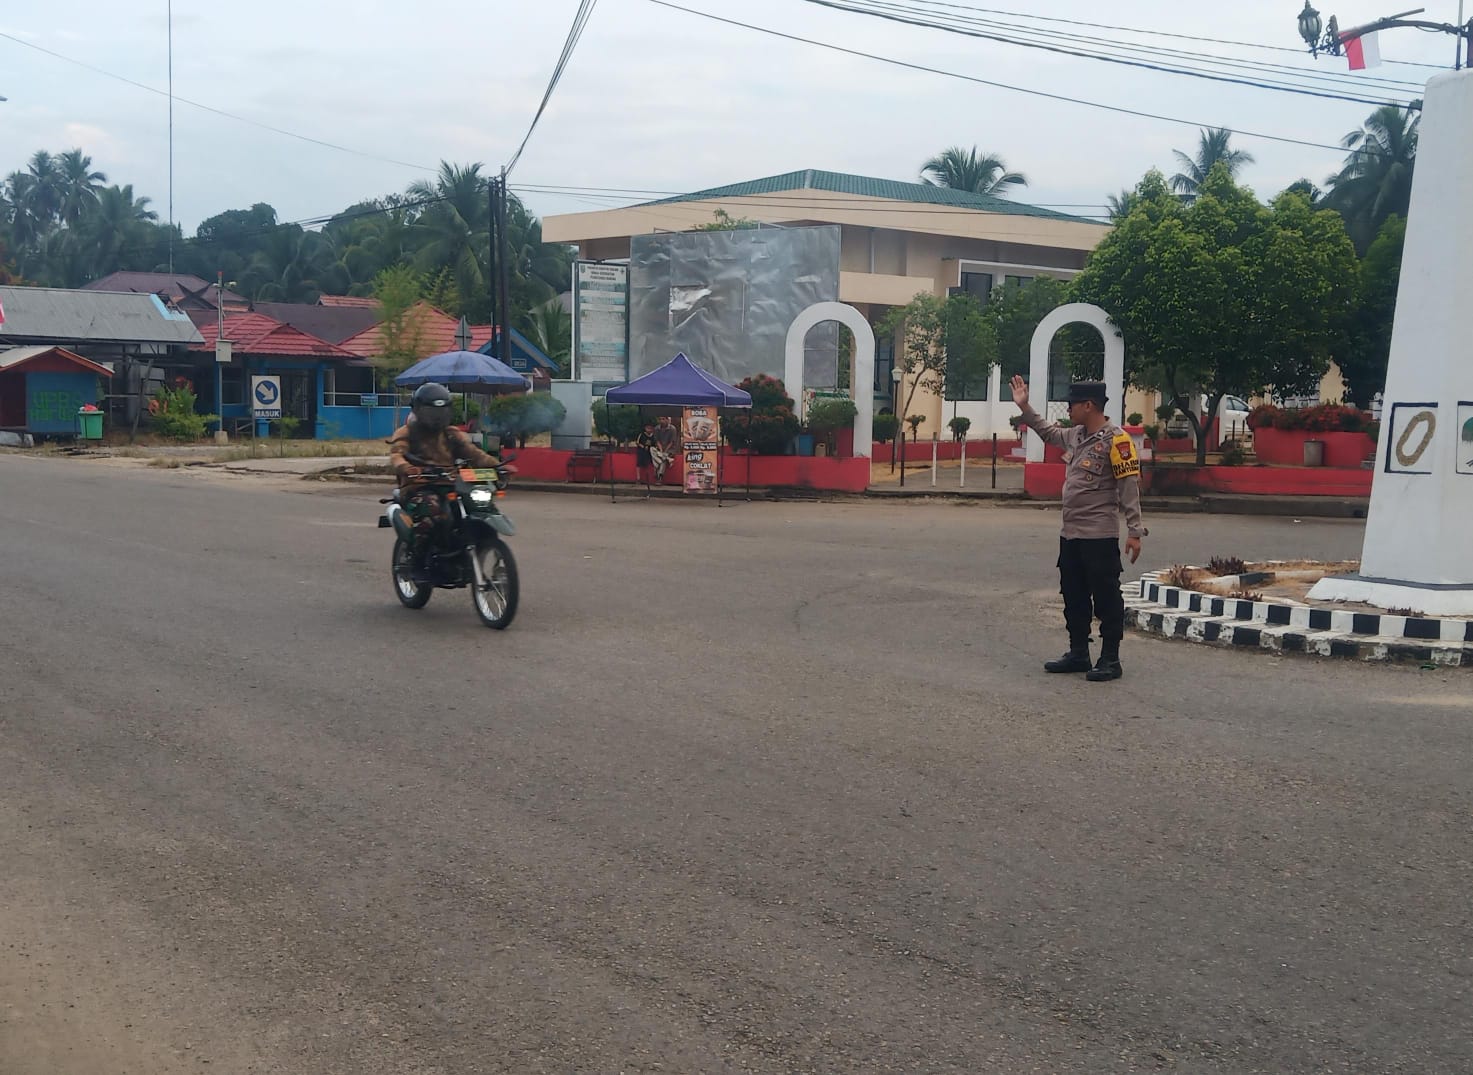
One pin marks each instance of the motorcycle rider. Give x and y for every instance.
(428, 436)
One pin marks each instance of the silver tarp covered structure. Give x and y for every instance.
(729, 296)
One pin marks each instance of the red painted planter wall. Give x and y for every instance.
(1286, 446)
(920, 451)
(1045, 481)
(789, 471)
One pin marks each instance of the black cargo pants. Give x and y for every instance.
(1089, 579)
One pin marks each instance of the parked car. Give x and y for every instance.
(1232, 420)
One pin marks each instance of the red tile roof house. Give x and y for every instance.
(437, 334)
(313, 373)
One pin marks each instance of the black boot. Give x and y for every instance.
(1076, 660)
(1108, 666)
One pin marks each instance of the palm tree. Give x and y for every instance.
(1308, 189)
(979, 173)
(79, 185)
(1121, 204)
(453, 227)
(550, 327)
(1212, 148)
(116, 229)
(1376, 180)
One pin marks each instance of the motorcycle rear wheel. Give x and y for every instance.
(411, 594)
(496, 605)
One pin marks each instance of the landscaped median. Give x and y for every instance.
(1195, 605)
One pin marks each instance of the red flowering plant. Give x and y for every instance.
(770, 426)
(1264, 416)
(1323, 418)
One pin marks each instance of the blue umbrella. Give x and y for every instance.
(463, 370)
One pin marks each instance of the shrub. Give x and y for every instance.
(770, 426)
(830, 415)
(1181, 576)
(959, 427)
(885, 427)
(524, 415)
(1135, 418)
(1323, 418)
(1226, 565)
(620, 421)
(1233, 456)
(176, 418)
(1263, 416)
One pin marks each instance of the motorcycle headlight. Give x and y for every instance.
(481, 497)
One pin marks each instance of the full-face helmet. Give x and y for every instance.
(431, 405)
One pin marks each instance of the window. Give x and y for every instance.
(978, 285)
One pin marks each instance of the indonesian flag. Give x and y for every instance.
(2, 313)
(1361, 51)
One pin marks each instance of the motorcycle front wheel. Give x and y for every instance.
(496, 603)
(411, 594)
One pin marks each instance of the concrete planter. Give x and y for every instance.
(1285, 447)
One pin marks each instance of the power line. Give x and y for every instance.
(988, 82)
(895, 16)
(575, 33)
(1094, 41)
(209, 108)
(1147, 33)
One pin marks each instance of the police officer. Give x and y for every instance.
(1101, 484)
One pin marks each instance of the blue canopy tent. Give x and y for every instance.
(680, 383)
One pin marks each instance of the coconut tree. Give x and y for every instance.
(969, 170)
(1375, 182)
(1212, 148)
(116, 229)
(550, 327)
(1121, 204)
(79, 185)
(453, 225)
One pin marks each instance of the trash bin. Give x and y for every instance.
(1314, 453)
(89, 424)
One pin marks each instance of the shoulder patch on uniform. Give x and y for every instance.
(1123, 457)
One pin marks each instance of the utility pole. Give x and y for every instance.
(171, 134)
(503, 268)
(493, 257)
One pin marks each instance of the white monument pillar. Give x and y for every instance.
(1114, 377)
(861, 370)
(1420, 527)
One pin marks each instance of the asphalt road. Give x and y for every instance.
(770, 788)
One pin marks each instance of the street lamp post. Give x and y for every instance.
(1328, 37)
(896, 374)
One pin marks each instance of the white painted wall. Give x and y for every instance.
(1038, 365)
(1420, 525)
(861, 371)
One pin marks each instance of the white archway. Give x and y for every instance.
(1043, 335)
(862, 369)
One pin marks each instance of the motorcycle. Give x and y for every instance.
(467, 549)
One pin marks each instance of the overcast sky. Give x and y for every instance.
(654, 99)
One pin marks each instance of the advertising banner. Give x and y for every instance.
(700, 437)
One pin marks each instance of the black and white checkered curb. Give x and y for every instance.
(1229, 621)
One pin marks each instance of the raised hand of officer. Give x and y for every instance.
(1020, 391)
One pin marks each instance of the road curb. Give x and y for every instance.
(1153, 607)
